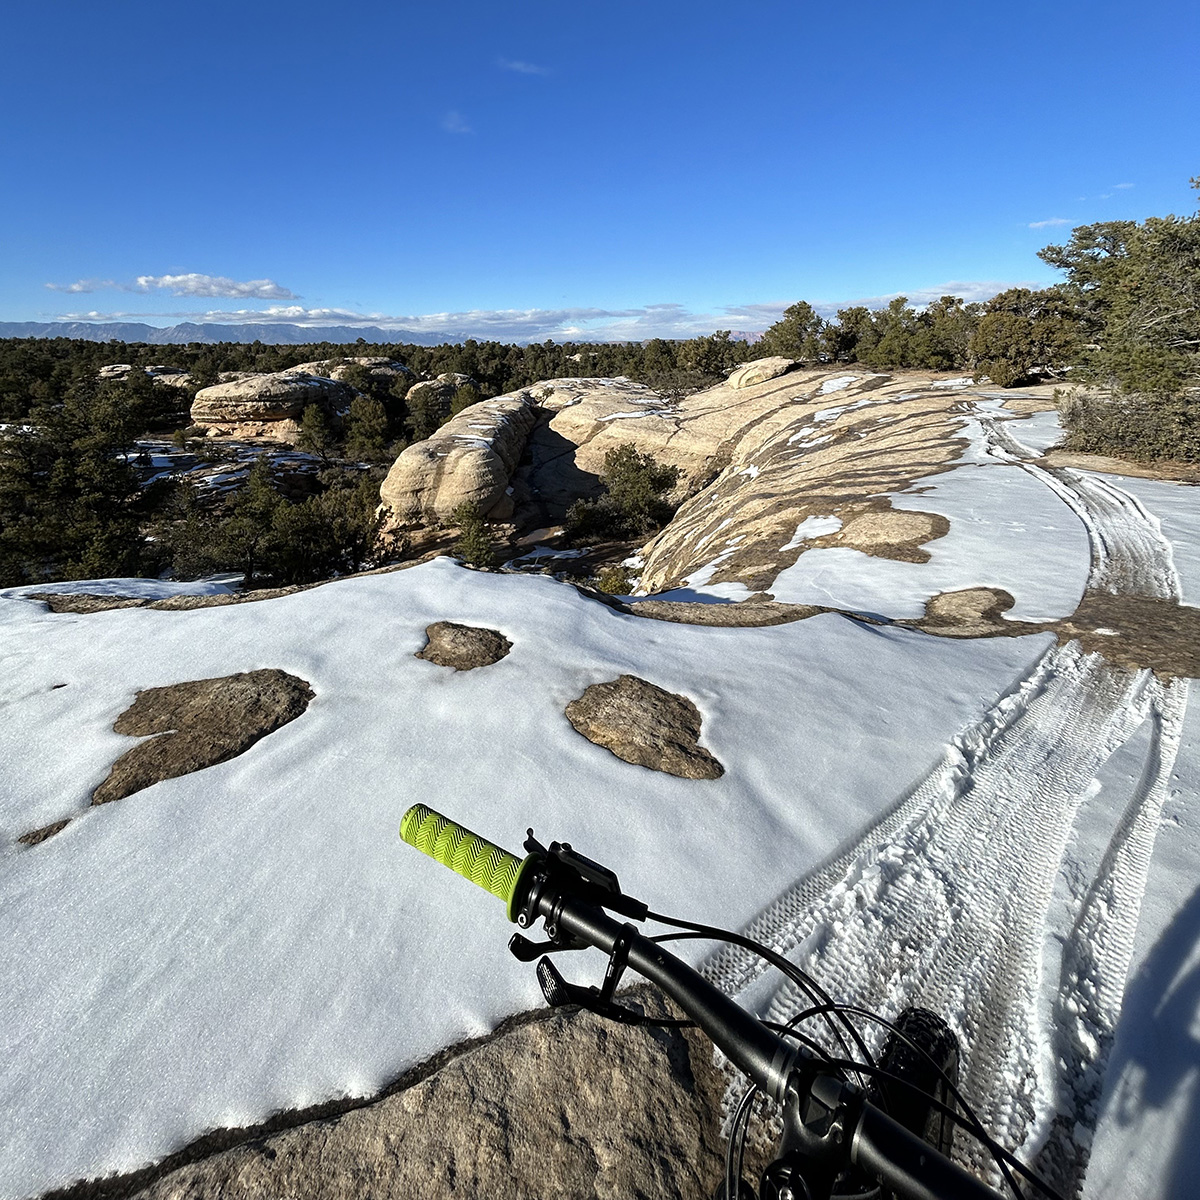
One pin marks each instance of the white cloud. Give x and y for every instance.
(521, 68)
(453, 122)
(1123, 186)
(191, 284)
(83, 285)
(194, 284)
(1046, 224)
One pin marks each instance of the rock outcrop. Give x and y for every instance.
(171, 376)
(643, 724)
(439, 392)
(469, 460)
(385, 369)
(199, 723)
(463, 647)
(759, 371)
(267, 406)
(563, 1106)
(802, 462)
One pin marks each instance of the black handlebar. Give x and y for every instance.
(878, 1145)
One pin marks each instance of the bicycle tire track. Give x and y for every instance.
(948, 896)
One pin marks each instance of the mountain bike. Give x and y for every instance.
(854, 1124)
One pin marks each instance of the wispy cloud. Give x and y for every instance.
(521, 68)
(83, 286)
(191, 284)
(1122, 187)
(1048, 223)
(559, 324)
(454, 122)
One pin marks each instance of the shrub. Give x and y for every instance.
(474, 546)
(633, 502)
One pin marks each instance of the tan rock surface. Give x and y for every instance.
(463, 647)
(267, 406)
(339, 368)
(199, 723)
(643, 724)
(469, 459)
(559, 1107)
(812, 443)
(759, 371)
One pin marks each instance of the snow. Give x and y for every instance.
(1007, 530)
(142, 589)
(1145, 1142)
(812, 527)
(254, 936)
(1039, 431)
(961, 382)
(1177, 507)
(838, 383)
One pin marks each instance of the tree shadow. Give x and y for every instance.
(1156, 1056)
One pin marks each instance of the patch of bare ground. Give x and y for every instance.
(191, 726)
(463, 647)
(555, 1104)
(745, 614)
(1169, 470)
(200, 723)
(1136, 632)
(645, 725)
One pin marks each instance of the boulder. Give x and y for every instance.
(171, 376)
(760, 371)
(469, 459)
(463, 647)
(438, 393)
(267, 406)
(643, 724)
(199, 723)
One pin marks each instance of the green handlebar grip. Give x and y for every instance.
(456, 847)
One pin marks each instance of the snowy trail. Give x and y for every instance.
(948, 901)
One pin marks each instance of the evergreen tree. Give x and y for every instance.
(797, 334)
(316, 433)
(366, 430)
(474, 545)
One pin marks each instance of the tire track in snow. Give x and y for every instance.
(946, 900)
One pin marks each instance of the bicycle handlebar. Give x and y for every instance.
(874, 1141)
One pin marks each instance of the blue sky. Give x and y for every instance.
(538, 169)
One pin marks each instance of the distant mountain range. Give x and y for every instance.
(271, 335)
(189, 331)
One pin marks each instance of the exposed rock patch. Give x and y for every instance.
(36, 836)
(892, 533)
(747, 614)
(470, 459)
(644, 725)
(759, 371)
(267, 406)
(557, 1105)
(463, 647)
(201, 723)
(1138, 632)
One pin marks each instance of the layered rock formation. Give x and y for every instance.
(386, 369)
(470, 459)
(267, 406)
(759, 371)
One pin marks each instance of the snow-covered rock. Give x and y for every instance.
(338, 368)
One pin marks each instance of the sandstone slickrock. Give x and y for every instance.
(469, 459)
(36, 836)
(439, 391)
(267, 406)
(643, 724)
(561, 1107)
(760, 371)
(463, 647)
(386, 369)
(200, 723)
(160, 373)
